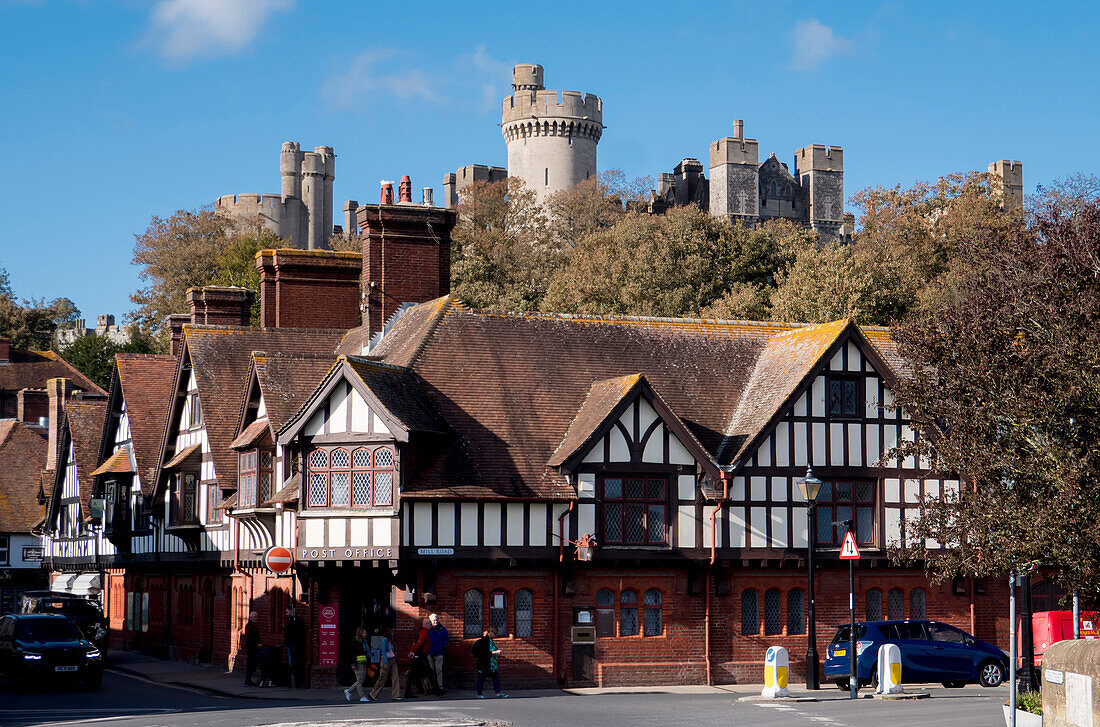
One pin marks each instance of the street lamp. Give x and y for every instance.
(810, 486)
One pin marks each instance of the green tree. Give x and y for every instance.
(194, 249)
(30, 324)
(94, 355)
(1005, 391)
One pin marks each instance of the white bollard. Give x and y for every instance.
(889, 670)
(777, 668)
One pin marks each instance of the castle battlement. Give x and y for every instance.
(818, 157)
(238, 201)
(731, 150)
(522, 105)
(1012, 171)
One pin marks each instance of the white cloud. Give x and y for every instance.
(380, 74)
(814, 44)
(185, 29)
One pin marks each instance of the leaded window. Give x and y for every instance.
(750, 613)
(796, 618)
(525, 614)
(653, 622)
(498, 612)
(844, 501)
(917, 601)
(605, 612)
(254, 477)
(773, 616)
(844, 396)
(628, 613)
(634, 510)
(895, 604)
(874, 604)
(360, 477)
(472, 614)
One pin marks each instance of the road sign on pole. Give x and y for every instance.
(849, 551)
(278, 559)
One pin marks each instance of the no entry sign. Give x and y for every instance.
(278, 559)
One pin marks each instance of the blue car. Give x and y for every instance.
(930, 652)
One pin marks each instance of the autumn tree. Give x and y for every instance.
(1005, 391)
(193, 249)
(30, 323)
(593, 205)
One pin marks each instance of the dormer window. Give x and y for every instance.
(357, 477)
(635, 510)
(255, 468)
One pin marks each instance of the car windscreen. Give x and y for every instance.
(79, 610)
(843, 632)
(47, 629)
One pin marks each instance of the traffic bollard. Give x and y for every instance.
(777, 668)
(889, 670)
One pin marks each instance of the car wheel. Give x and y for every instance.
(842, 684)
(991, 674)
(954, 685)
(874, 675)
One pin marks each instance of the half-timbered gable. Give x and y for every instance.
(71, 539)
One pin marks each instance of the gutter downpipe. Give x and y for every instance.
(557, 583)
(725, 476)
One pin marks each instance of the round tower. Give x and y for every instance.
(551, 143)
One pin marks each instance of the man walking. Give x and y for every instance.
(437, 634)
(251, 648)
(420, 669)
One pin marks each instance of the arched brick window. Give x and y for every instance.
(895, 604)
(654, 624)
(525, 614)
(874, 604)
(472, 619)
(750, 613)
(796, 617)
(498, 612)
(628, 613)
(917, 603)
(773, 614)
(605, 612)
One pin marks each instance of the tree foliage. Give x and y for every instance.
(94, 355)
(30, 323)
(1005, 389)
(194, 248)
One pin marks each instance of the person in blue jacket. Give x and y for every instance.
(440, 639)
(387, 669)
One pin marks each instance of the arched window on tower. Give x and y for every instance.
(546, 176)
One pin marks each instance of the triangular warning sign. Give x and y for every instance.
(849, 551)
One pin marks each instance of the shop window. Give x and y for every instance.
(917, 601)
(605, 612)
(525, 614)
(750, 613)
(874, 604)
(498, 612)
(472, 614)
(796, 617)
(895, 604)
(653, 622)
(843, 501)
(634, 510)
(773, 616)
(628, 613)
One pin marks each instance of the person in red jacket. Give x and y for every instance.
(420, 669)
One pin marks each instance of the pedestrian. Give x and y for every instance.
(251, 638)
(485, 653)
(387, 669)
(440, 639)
(294, 641)
(420, 669)
(359, 666)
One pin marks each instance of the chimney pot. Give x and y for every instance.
(387, 193)
(406, 190)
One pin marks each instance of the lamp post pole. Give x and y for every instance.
(810, 486)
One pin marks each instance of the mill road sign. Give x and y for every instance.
(849, 551)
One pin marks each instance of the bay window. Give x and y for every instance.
(351, 476)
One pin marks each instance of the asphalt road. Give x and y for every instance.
(128, 701)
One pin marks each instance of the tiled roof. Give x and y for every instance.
(182, 455)
(404, 341)
(146, 382)
(287, 380)
(399, 391)
(31, 370)
(253, 433)
(23, 454)
(289, 492)
(220, 358)
(85, 422)
(603, 397)
(118, 463)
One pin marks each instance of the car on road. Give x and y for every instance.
(930, 652)
(42, 648)
(86, 613)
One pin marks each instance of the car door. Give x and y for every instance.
(951, 654)
(915, 650)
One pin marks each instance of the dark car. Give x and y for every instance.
(86, 613)
(41, 648)
(930, 652)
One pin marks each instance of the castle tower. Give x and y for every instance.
(551, 144)
(1007, 180)
(735, 176)
(820, 171)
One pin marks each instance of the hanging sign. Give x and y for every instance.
(849, 551)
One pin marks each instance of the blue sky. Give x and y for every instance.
(114, 111)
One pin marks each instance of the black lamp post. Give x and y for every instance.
(809, 486)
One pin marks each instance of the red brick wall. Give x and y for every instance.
(309, 288)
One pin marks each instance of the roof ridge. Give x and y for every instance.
(367, 361)
(611, 318)
(448, 301)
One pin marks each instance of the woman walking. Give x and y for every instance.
(360, 665)
(387, 669)
(485, 652)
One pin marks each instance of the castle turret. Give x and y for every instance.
(1007, 181)
(551, 143)
(820, 171)
(735, 176)
(329, 158)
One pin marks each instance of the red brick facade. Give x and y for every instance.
(309, 288)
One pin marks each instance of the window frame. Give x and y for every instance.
(645, 502)
(799, 623)
(755, 623)
(373, 470)
(467, 602)
(501, 611)
(194, 410)
(649, 608)
(604, 609)
(631, 606)
(777, 628)
(5, 549)
(859, 395)
(827, 508)
(528, 618)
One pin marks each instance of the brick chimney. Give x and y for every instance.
(5, 351)
(220, 306)
(59, 391)
(31, 405)
(175, 323)
(406, 257)
(309, 288)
